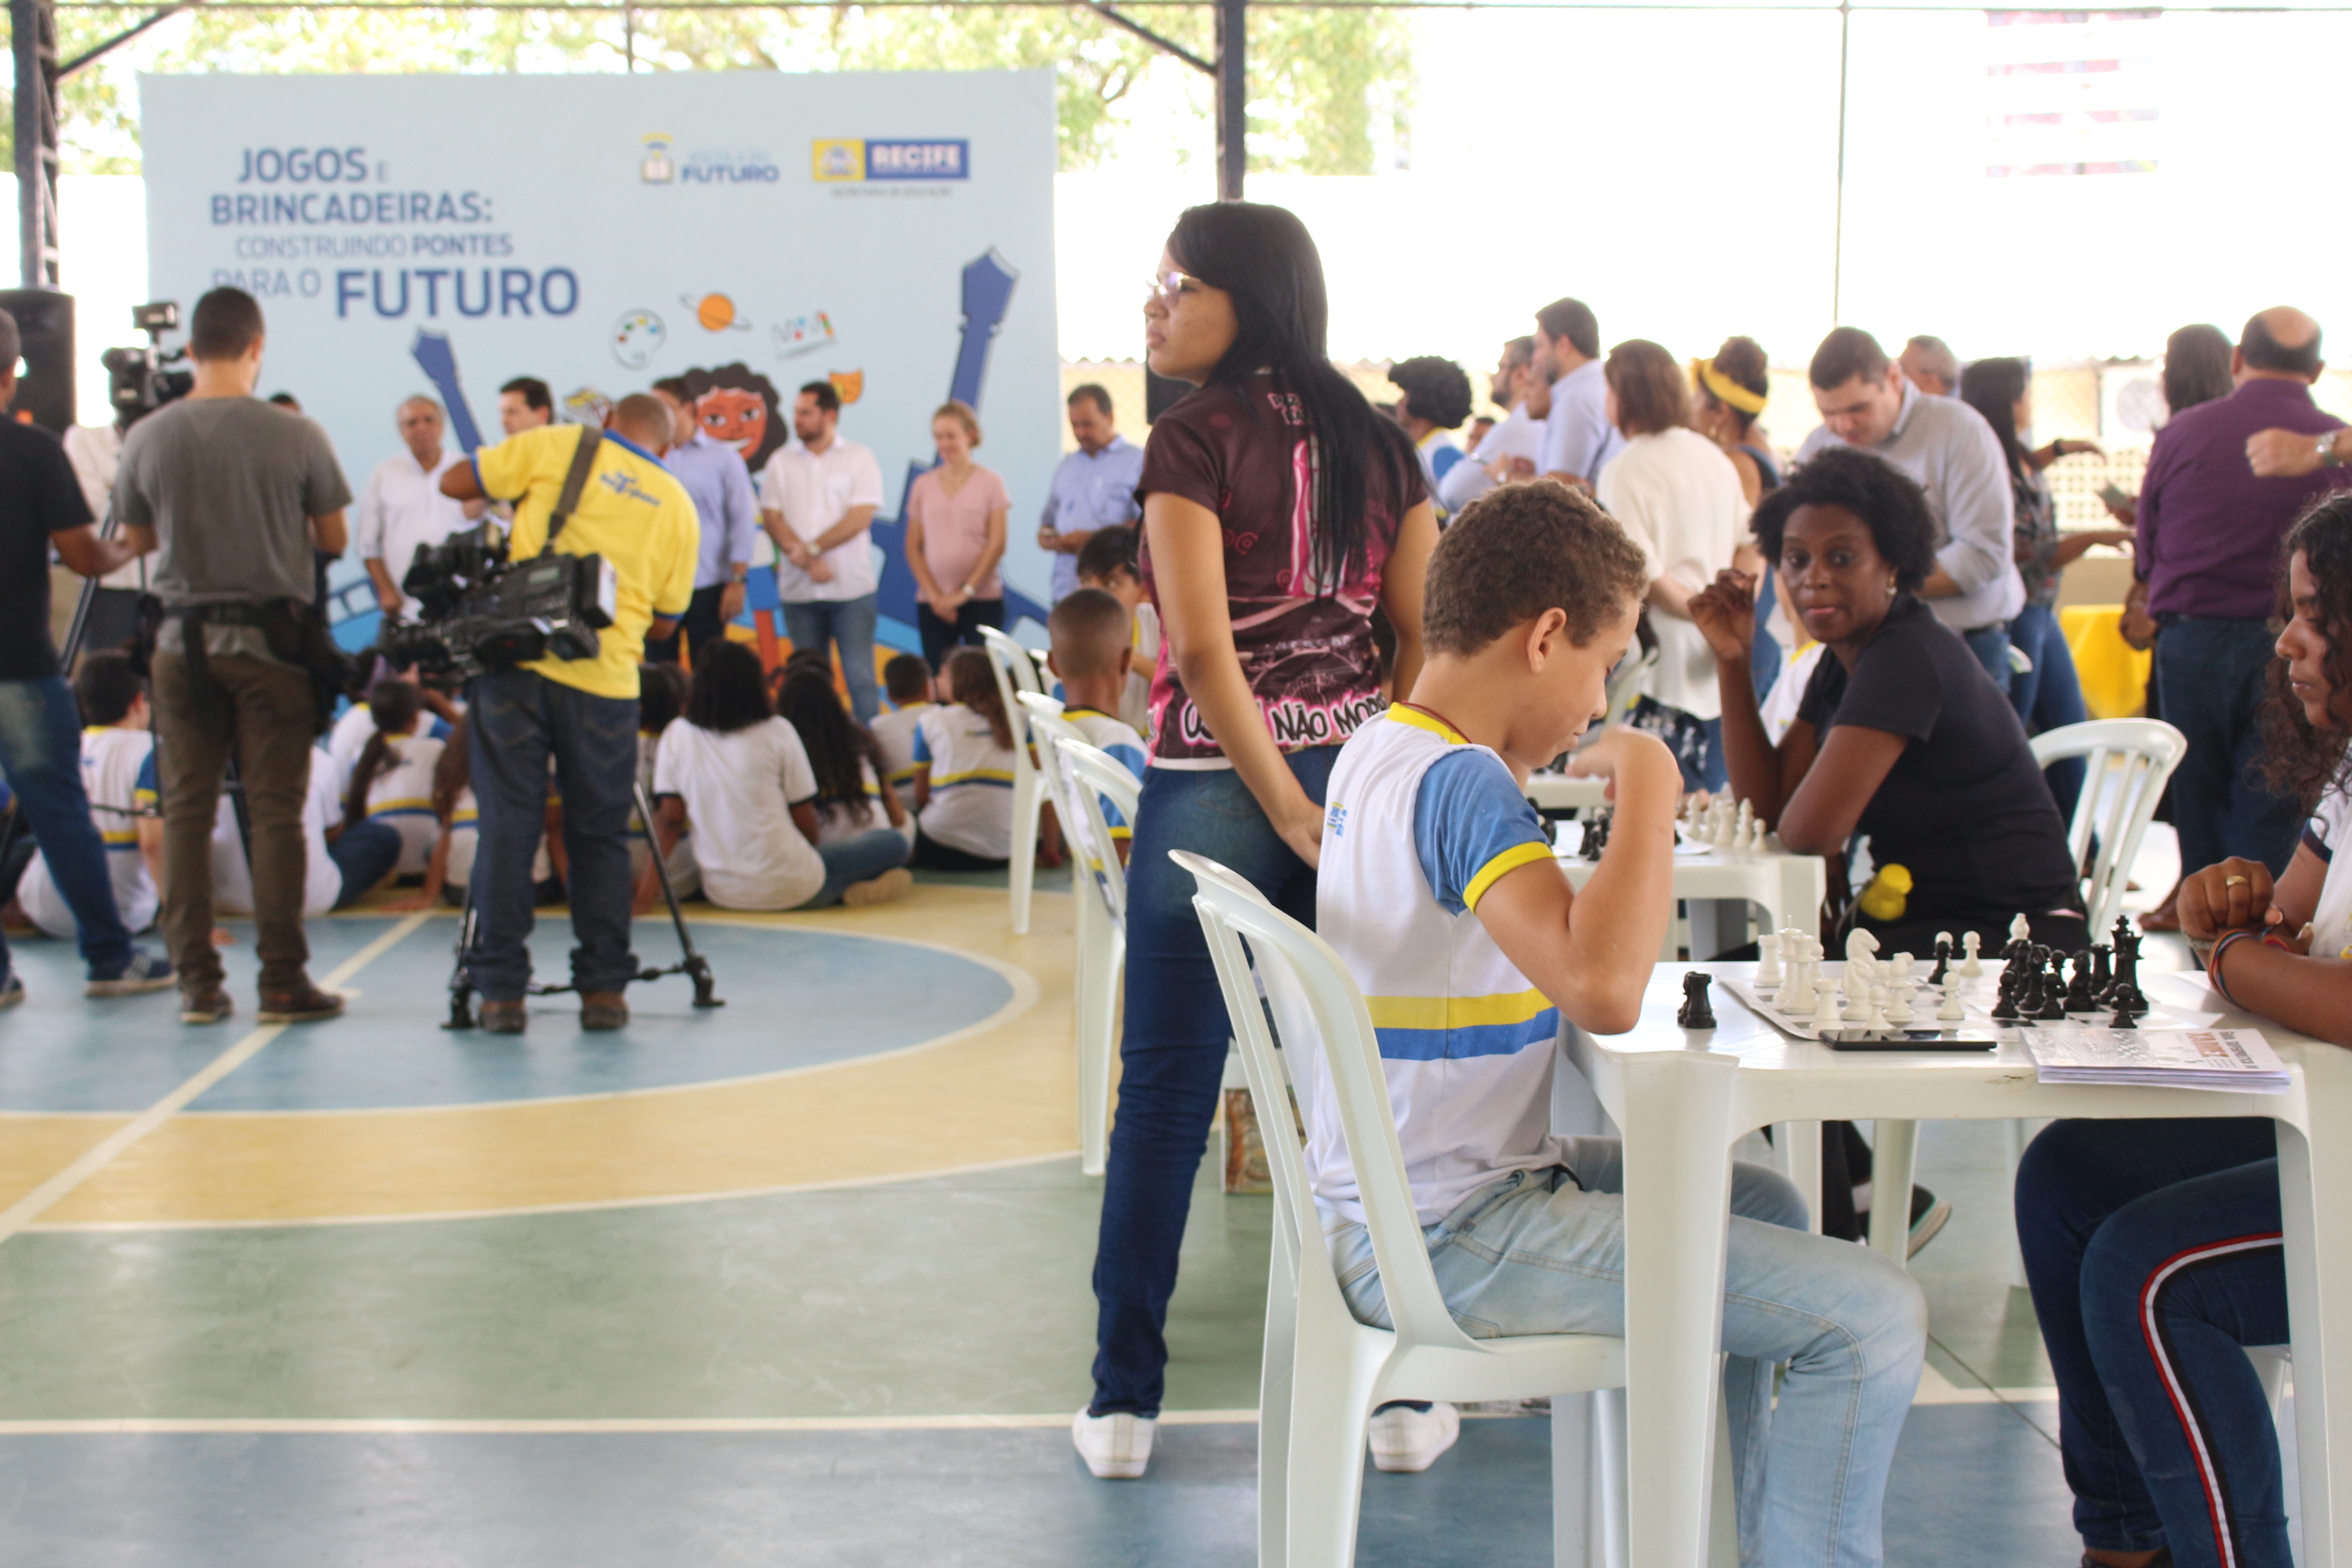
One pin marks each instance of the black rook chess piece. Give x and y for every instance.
(2102, 978)
(1695, 1014)
(1936, 976)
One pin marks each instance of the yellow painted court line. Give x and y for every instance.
(49, 1193)
(524, 1211)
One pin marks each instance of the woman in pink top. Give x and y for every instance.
(955, 537)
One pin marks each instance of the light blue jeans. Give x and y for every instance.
(848, 627)
(1543, 1252)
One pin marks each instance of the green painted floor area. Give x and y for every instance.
(946, 1296)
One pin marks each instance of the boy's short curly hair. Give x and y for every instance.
(1520, 549)
(1888, 501)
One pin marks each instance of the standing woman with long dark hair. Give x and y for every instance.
(1279, 511)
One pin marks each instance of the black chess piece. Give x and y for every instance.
(2054, 987)
(2029, 995)
(2079, 997)
(1943, 961)
(2127, 995)
(2004, 1009)
(1696, 1013)
(2102, 978)
(2123, 1019)
(1595, 835)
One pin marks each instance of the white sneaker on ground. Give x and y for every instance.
(894, 883)
(1116, 1447)
(1406, 1441)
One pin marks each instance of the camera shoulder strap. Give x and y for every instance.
(575, 481)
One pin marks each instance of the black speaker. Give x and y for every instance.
(45, 322)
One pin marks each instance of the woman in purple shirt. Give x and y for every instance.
(955, 537)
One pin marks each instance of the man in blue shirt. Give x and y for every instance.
(1578, 440)
(714, 476)
(1094, 488)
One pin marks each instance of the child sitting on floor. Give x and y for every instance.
(850, 799)
(907, 680)
(118, 774)
(1438, 889)
(738, 777)
(393, 779)
(1091, 657)
(345, 860)
(963, 772)
(1108, 562)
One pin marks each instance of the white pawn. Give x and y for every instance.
(1767, 958)
(1898, 997)
(1868, 1009)
(1722, 826)
(1744, 826)
(1825, 1009)
(1951, 1012)
(1970, 968)
(1754, 842)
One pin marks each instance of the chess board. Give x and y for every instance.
(1976, 1029)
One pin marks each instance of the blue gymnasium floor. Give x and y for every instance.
(772, 1285)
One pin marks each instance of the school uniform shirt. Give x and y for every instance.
(2330, 830)
(1111, 735)
(401, 794)
(895, 732)
(864, 816)
(350, 735)
(739, 788)
(1418, 824)
(972, 781)
(322, 879)
(118, 774)
(1965, 808)
(633, 512)
(1306, 653)
(1679, 498)
(465, 834)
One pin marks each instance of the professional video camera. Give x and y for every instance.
(478, 610)
(136, 382)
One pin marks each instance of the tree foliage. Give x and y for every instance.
(1325, 85)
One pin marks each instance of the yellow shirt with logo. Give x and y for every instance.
(632, 512)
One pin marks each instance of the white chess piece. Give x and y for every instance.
(1860, 950)
(1755, 842)
(1743, 826)
(1868, 1010)
(1970, 968)
(1721, 836)
(1898, 990)
(1825, 1009)
(1951, 1012)
(1767, 960)
(2020, 930)
(1796, 997)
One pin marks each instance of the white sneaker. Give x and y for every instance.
(1115, 1447)
(1406, 1441)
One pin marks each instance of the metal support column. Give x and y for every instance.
(35, 27)
(1232, 98)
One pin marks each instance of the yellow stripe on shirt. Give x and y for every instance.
(1454, 1012)
(1494, 870)
(1428, 722)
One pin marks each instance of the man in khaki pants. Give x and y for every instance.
(237, 492)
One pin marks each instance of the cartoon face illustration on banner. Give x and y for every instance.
(738, 406)
(848, 386)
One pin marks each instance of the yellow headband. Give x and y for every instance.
(1726, 390)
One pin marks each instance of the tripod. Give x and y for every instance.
(693, 964)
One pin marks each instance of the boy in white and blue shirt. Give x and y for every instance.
(1439, 889)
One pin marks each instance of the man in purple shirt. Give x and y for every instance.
(714, 475)
(2209, 543)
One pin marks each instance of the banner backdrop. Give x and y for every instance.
(891, 233)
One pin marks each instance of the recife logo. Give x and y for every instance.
(839, 162)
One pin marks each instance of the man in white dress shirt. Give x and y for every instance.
(1511, 449)
(817, 499)
(402, 507)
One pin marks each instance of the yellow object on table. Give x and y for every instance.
(1888, 895)
(2114, 673)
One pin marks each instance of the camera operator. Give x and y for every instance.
(40, 730)
(582, 712)
(237, 492)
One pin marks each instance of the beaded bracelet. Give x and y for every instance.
(2213, 963)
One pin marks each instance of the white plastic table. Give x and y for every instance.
(1789, 887)
(1682, 1098)
(1558, 792)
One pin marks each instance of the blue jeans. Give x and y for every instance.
(1543, 1252)
(1172, 1055)
(848, 626)
(858, 858)
(1990, 645)
(40, 751)
(2211, 671)
(519, 720)
(2048, 696)
(2179, 1220)
(365, 852)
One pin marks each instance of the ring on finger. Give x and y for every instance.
(2234, 882)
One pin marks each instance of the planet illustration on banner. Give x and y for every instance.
(637, 337)
(716, 312)
(848, 386)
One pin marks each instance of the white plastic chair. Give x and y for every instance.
(2147, 750)
(1016, 672)
(1324, 1372)
(1081, 776)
